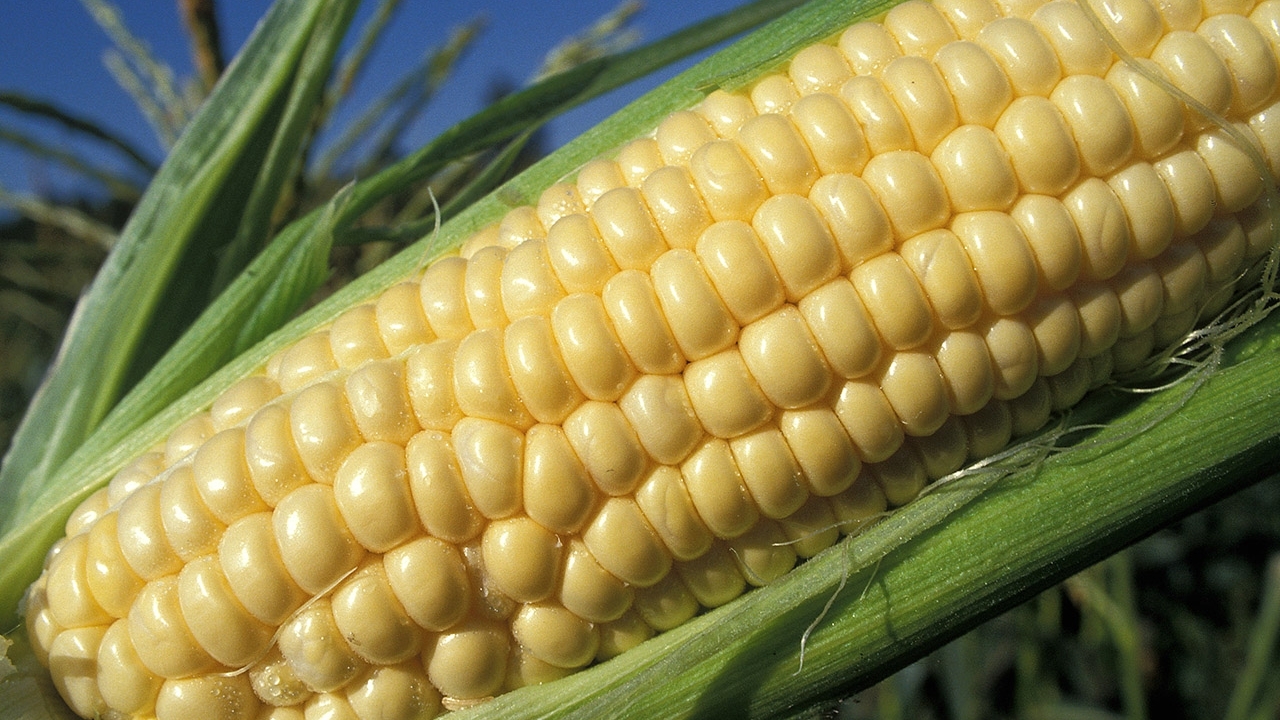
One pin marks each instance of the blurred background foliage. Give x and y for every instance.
(1182, 625)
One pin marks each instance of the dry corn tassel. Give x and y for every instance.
(779, 315)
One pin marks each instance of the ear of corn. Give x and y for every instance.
(680, 372)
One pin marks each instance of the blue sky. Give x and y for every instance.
(53, 50)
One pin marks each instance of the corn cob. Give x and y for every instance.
(682, 371)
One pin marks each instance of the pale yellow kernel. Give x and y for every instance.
(965, 366)
(842, 328)
(304, 361)
(1235, 177)
(217, 620)
(372, 620)
(895, 301)
(627, 228)
(967, 16)
(713, 578)
(621, 635)
(883, 125)
(919, 28)
(975, 170)
(1169, 330)
(1001, 257)
(316, 546)
(597, 178)
(763, 554)
(785, 359)
(354, 337)
(126, 684)
(1156, 115)
(134, 475)
(1104, 231)
(371, 489)
(1040, 145)
(540, 377)
(922, 95)
(830, 131)
(1024, 54)
(666, 605)
(428, 374)
(773, 94)
(1056, 326)
(240, 401)
(946, 275)
(252, 565)
(856, 220)
(729, 184)
(914, 387)
(819, 68)
(73, 659)
(1149, 209)
(637, 159)
(222, 476)
(774, 145)
(401, 322)
(607, 446)
(555, 636)
(632, 306)
(1013, 357)
(323, 429)
(521, 558)
(558, 493)
(868, 47)
(1141, 296)
(859, 506)
(1030, 410)
(482, 384)
(87, 513)
(675, 205)
(910, 190)
(1191, 189)
(698, 318)
(979, 87)
(868, 418)
(191, 527)
(394, 692)
(487, 237)
(1256, 223)
(1180, 14)
(528, 283)
(111, 581)
(1224, 245)
(798, 242)
(482, 285)
(380, 403)
(557, 201)
(524, 669)
(272, 459)
(771, 473)
(680, 134)
(943, 452)
(812, 528)
(588, 590)
(718, 492)
(1129, 353)
(988, 430)
(1054, 240)
(490, 459)
(429, 579)
(1098, 120)
(725, 396)
(1079, 47)
(1134, 24)
(160, 635)
(740, 269)
(1069, 386)
(187, 437)
(40, 625)
(1099, 317)
(578, 256)
(624, 543)
(70, 600)
(1183, 272)
(725, 112)
(141, 535)
(328, 706)
(1017, 8)
(823, 448)
(443, 298)
(902, 476)
(659, 410)
(316, 649)
(518, 225)
(1188, 61)
(589, 347)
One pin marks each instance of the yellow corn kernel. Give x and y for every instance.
(682, 371)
